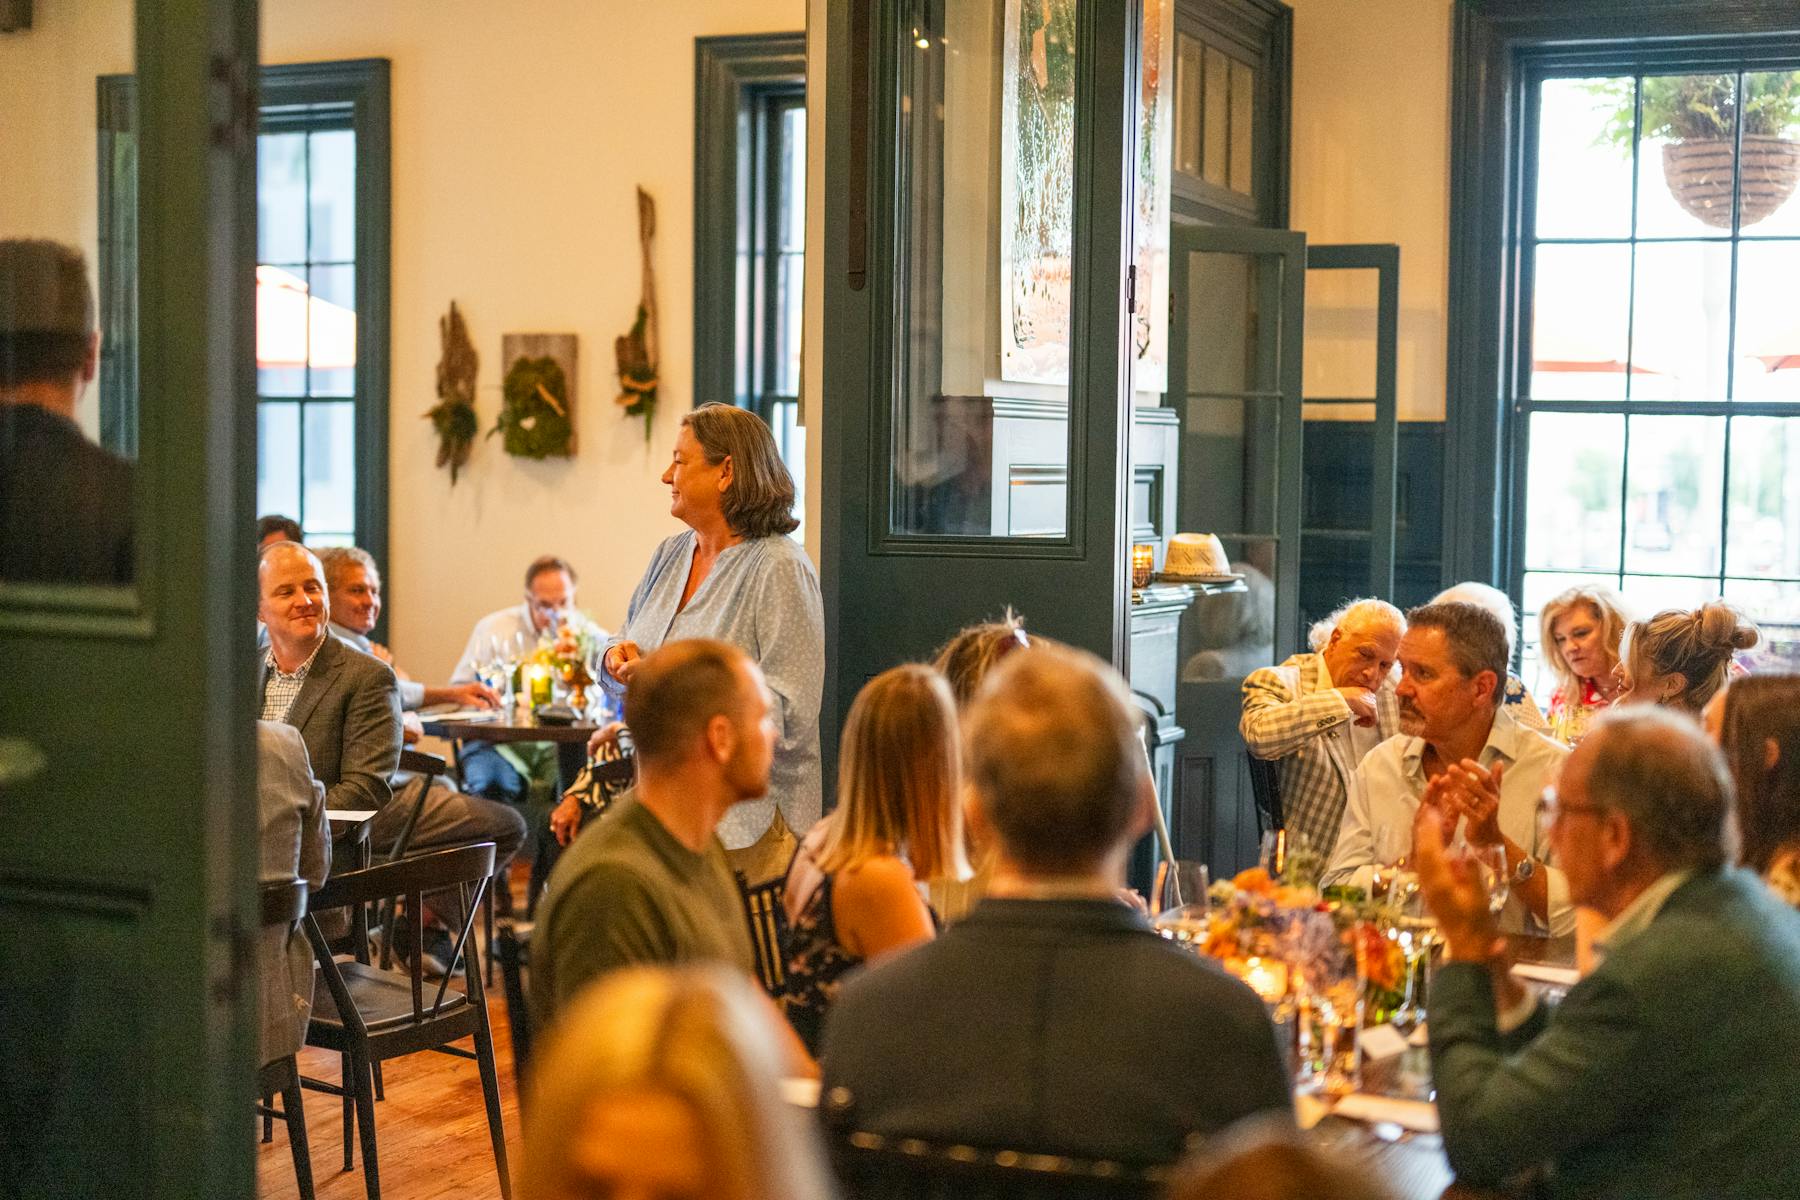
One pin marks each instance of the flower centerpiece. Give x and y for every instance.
(569, 656)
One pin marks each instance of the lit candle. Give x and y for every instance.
(1143, 561)
(1268, 978)
(537, 682)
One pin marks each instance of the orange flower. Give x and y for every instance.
(1256, 880)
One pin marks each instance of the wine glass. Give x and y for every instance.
(1491, 862)
(1182, 906)
(1393, 844)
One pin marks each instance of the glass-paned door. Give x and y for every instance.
(1348, 502)
(979, 236)
(1238, 297)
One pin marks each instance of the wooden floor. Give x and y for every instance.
(431, 1130)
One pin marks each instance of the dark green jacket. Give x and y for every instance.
(1672, 1071)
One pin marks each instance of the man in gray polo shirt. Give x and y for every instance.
(649, 882)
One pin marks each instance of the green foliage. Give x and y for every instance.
(531, 425)
(1699, 107)
(1592, 484)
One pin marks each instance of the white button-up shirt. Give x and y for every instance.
(1390, 784)
(504, 624)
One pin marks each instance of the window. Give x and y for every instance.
(321, 302)
(1657, 385)
(321, 294)
(750, 232)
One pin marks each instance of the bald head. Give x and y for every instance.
(1669, 782)
(292, 601)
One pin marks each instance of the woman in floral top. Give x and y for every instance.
(1581, 629)
(855, 889)
(1757, 723)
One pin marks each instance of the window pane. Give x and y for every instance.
(278, 459)
(792, 321)
(1685, 158)
(282, 298)
(1771, 167)
(330, 468)
(1215, 130)
(1187, 104)
(333, 192)
(1775, 607)
(1584, 158)
(1342, 326)
(1681, 323)
(1647, 595)
(964, 460)
(1763, 537)
(1243, 125)
(1579, 299)
(1674, 479)
(793, 179)
(1573, 486)
(1768, 322)
(281, 198)
(331, 331)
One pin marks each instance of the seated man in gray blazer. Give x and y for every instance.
(296, 844)
(345, 704)
(1052, 1018)
(1671, 1070)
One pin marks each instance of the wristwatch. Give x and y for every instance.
(1525, 870)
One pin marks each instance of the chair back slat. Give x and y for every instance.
(435, 872)
(767, 920)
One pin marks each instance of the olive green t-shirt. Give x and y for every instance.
(628, 891)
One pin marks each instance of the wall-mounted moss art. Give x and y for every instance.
(537, 407)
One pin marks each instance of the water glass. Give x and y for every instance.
(1491, 862)
(1181, 905)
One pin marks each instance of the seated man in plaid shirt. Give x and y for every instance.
(1318, 713)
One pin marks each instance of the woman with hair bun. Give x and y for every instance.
(1679, 659)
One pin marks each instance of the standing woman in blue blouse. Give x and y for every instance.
(735, 575)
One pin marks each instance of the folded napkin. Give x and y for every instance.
(1545, 973)
(1420, 1116)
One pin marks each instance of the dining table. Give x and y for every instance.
(1412, 1163)
(519, 723)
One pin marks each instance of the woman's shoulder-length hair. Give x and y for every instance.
(760, 501)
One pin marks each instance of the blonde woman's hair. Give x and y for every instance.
(1697, 645)
(1608, 610)
(966, 659)
(900, 777)
(700, 1034)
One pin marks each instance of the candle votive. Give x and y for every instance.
(537, 680)
(1143, 562)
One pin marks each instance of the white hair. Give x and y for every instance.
(1488, 597)
(1369, 607)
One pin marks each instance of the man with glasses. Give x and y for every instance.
(505, 772)
(1461, 751)
(1670, 1069)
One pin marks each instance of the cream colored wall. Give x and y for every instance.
(1371, 163)
(519, 132)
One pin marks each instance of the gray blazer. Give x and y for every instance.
(348, 710)
(295, 844)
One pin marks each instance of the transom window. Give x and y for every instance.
(1659, 383)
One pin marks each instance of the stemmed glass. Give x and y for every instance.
(1393, 845)
(1491, 862)
(1182, 906)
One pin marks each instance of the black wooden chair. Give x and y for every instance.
(368, 1015)
(872, 1166)
(513, 948)
(767, 921)
(1265, 785)
(284, 906)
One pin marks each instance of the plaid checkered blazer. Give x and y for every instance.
(1294, 716)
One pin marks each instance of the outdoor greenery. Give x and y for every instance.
(1700, 107)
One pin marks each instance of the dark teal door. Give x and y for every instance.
(127, 790)
(977, 359)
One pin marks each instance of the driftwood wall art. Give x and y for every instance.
(636, 351)
(454, 414)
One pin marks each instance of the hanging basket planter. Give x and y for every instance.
(1698, 172)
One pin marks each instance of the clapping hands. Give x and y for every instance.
(1468, 791)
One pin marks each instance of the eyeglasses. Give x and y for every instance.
(1550, 810)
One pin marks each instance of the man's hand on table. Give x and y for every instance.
(474, 694)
